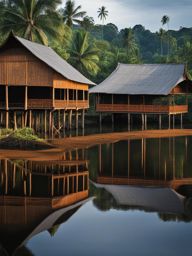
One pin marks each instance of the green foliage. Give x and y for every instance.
(35, 20)
(84, 54)
(72, 14)
(25, 134)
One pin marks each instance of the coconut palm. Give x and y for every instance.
(102, 15)
(165, 21)
(161, 34)
(35, 20)
(83, 54)
(72, 14)
(87, 23)
(128, 41)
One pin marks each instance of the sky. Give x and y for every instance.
(128, 13)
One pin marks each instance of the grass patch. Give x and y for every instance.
(22, 139)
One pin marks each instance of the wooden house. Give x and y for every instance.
(38, 87)
(145, 89)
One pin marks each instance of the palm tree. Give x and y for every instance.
(35, 20)
(83, 54)
(161, 35)
(165, 21)
(102, 15)
(87, 23)
(72, 14)
(128, 40)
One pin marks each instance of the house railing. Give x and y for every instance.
(125, 108)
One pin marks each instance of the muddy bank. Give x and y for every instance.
(87, 141)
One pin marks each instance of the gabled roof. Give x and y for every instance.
(53, 60)
(142, 79)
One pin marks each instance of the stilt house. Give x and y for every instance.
(38, 86)
(145, 89)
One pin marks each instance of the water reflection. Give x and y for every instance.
(149, 174)
(38, 195)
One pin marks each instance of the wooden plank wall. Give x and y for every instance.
(20, 67)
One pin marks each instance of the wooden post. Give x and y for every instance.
(160, 122)
(15, 120)
(173, 121)
(146, 121)
(64, 120)
(59, 119)
(76, 119)
(169, 121)
(181, 121)
(22, 119)
(26, 117)
(26, 97)
(143, 121)
(83, 119)
(30, 118)
(70, 119)
(100, 120)
(129, 121)
(45, 121)
(7, 106)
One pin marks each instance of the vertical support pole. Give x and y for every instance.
(181, 121)
(45, 121)
(143, 121)
(59, 119)
(7, 106)
(15, 120)
(26, 97)
(64, 120)
(23, 119)
(70, 119)
(160, 121)
(83, 119)
(30, 118)
(100, 121)
(76, 119)
(129, 121)
(169, 121)
(173, 121)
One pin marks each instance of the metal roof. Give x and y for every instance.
(53, 60)
(142, 79)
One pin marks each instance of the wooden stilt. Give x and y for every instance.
(59, 119)
(15, 120)
(181, 121)
(173, 121)
(30, 118)
(169, 121)
(83, 119)
(76, 119)
(64, 120)
(143, 121)
(160, 121)
(100, 120)
(129, 121)
(26, 118)
(45, 121)
(22, 119)
(70, 119)
(7, 119)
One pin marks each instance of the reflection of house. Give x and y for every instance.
(144, 89)
(36, 83)
(162, 200)
(37, 196)
(133, 166)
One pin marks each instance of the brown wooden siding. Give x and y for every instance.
(20, 67)
(40, 104)
(61, 83)
(79, 104)
(123, 108)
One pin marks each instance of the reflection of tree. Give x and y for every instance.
(53, 230)
(23, 251)
(185, 217)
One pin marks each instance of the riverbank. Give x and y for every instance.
(59, 146)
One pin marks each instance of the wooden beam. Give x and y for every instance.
(26, 97)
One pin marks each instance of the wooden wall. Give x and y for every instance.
(20, 67)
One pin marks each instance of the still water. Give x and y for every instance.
(126, 198)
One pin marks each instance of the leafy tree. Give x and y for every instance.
(84, 54)
(102, 15)
(35, 20)
(72, 14)
(161, 34)
(87, 23)
(129, 43)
